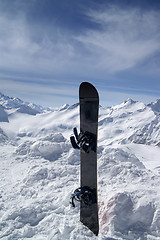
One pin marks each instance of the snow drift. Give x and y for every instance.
(39, 170)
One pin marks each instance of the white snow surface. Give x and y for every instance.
(39, 171)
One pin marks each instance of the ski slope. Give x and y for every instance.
(39, 170)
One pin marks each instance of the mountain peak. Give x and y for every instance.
(12, 102)
(155, 106)
(64, 107)
(129, 101)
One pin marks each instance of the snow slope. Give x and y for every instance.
(39, 170)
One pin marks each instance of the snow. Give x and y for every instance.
(39, 170)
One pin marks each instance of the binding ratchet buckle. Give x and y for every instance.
(85, 141)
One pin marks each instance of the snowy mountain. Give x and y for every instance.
(3, 115)
(39, 170)
(155, 106)
(21, 106)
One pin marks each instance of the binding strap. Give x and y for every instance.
(85, 141)
(84, 195)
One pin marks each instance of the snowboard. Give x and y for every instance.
(89, 107)
(87, 143)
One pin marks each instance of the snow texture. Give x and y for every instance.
(39, 170)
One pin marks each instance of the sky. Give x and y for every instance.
(48, 47)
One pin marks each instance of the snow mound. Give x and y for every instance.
(48, 150)
(50, 147)
(130, 221)
(127, 204)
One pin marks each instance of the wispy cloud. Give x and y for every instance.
(113, 42)
(21, 51)
(127, 37)
(41, 93)
(16, 46)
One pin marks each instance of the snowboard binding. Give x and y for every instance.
(85, 141)
(84, 195)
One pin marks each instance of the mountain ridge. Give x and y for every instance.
(140, 122)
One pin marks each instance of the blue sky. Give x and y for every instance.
(48, 47)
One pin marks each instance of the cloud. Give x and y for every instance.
(21, 51)
(127, 37)
(114, 46)
(38, 88)
(16, 46)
